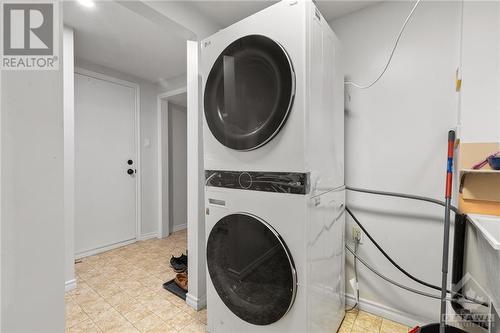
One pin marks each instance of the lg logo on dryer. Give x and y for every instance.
(30, 36)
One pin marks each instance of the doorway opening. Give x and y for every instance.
(172, 161)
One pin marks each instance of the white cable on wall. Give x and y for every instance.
(366, 86)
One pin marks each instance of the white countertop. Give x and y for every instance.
(489, 226)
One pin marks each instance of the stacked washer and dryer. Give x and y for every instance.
(274, 170)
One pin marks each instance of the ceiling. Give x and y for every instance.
(333, 9)
(180, 100)
(225, 13)
(113, 36)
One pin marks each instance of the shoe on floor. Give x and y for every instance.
(179, 264)
(181, 280)
(184, 259)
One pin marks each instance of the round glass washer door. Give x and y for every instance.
(249, 92)
(251, 268)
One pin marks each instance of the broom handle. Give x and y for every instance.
(446, 243)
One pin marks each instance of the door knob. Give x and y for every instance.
(130, 171)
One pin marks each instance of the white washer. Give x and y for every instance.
(273, 95)
(275, 261)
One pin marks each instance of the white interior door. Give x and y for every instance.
(105, 194)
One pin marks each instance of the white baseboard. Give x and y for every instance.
(103, 249)
(70, 285)
(179, 227)
(148, 236)
(195, 302)
(385, 311)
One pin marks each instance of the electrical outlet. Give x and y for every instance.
(357, 234)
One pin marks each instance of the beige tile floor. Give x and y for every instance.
(121, 291)
(364, 322)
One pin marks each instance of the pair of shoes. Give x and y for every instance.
(181, 280)
(179, 264)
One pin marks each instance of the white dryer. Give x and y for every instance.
(275, 260)
(273, 95)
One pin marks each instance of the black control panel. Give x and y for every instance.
(280, 182)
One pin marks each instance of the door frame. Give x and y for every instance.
(137, 157)
(163, 230)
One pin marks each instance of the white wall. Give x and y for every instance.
(196, 296)
(396, 131)
(69, 155)
(165, 200)
(481, 72)
(149, 157)
(2, 210)
(396, 135)
(33, 232)
(177, 159)
(149, 172)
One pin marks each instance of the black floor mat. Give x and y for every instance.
(175, 289)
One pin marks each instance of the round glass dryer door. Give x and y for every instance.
(251, 269)
(249, 92)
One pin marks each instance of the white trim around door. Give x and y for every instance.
(137, 138)
(163, 231)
